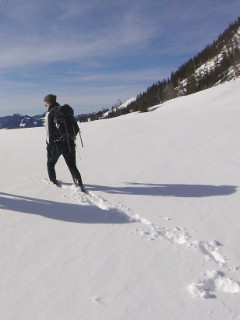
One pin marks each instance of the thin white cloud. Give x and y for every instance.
(133, 76)
(42, 33)
(57, 45)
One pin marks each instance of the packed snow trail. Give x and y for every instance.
(213, 281)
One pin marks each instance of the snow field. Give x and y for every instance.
(156, 237)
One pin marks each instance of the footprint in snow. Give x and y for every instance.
(212, 282)
(98, 300)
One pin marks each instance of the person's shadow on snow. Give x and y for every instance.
(168, 190)
(68, 212)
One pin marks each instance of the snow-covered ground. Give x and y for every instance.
(156, 238)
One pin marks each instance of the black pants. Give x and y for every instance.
(54, 151)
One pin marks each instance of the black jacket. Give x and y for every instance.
(51, 129)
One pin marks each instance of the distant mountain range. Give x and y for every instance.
(217, 63)
(21, 121)
(24, 121)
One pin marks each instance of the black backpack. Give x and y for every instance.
(65, 122)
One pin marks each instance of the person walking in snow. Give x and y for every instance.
(59, 144)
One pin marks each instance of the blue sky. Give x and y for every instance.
(93, 53)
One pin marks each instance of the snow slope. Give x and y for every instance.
(212, 63)
(122, 106)
(156, 238)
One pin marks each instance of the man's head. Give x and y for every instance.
(50, 99)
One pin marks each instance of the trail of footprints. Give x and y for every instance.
(211, 282)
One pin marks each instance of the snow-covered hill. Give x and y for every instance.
(156, 238)
(118, 108)
(21, 121)
(226, 48)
